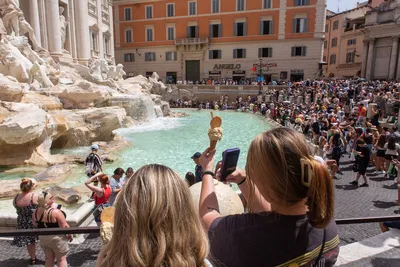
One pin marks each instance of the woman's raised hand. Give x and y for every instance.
(207, 160)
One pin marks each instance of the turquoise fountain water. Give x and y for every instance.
(172, 141)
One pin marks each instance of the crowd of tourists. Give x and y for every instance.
(291, 218)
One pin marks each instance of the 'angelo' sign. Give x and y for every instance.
(227, 66)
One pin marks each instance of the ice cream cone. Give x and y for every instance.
(213, 144)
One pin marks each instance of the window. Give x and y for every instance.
(299, 51)
(171, 56)
(326, 28)
(129, 57)
(192, 31)
(335, 25)
(332, 59)
(300, 25)
(128, 36)
(334, 42)
(351, 42)
(301, 2)
(215, 54)
(265, 52)
(266, 27)
(324, 59)
(192, 8)
(107, 46)
(325, 44)
(149, 34)
(240, 5)
(93, 40)
(350, 57)
(214, 6)
(170, 10)
(128, 13)
(240, 29)
(267, 4)
(149, 12)
(149, 56)
(215, 30)
(239, 53)
(171, 33)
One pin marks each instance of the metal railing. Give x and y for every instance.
(186, 41)
(96, 229)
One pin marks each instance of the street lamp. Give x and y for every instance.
(260, 74)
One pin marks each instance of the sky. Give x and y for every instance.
(343, 4)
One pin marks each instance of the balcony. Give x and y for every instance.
(350, 65)
(193, 44)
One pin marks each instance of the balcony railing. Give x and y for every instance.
(350, 65)
(190, 41)
(95, 53)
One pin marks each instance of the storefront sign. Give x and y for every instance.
(214, 72)
(266, 65)
(239, 72)
(296, 71)
(227, 66)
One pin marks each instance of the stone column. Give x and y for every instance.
(82, 30)
(393, 58)
(371, 48)
(364, 59)
(35, 19)
(53, 27)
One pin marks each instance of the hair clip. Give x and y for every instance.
(307, 172)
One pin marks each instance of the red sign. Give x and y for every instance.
(266, 65)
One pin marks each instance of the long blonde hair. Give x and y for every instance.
(156, 223)
(273, 165)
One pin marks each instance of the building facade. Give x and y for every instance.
(72, 30)
(382, 33)
(215, 39)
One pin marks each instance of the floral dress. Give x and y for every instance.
(24, 221)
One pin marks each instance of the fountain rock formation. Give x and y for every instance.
(44, 104)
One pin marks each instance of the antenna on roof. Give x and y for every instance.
(338, 6)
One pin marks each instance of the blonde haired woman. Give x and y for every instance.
(24, 203)
(156, 223)
(290, 196)
(46, 216)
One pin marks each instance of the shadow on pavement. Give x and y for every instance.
(383, 204)
(381, 179)
(385, 262)
(79, 258)
(346, 187)
(392, 187)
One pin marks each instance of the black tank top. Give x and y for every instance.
(49, 224)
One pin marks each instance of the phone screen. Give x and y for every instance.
(59, 206)
(229, 162)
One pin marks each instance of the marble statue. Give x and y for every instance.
(14, 22)
(104, 68)
(63, 24)
(95, 69)
(116, 72)
(38, 73)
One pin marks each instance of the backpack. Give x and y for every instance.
(90, 165)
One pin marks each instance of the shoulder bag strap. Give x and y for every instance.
(316, 263)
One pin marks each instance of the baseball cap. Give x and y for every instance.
(196, 155)
(94, 147)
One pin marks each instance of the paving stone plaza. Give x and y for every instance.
(379, 199)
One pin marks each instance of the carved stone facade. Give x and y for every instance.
(72, 30)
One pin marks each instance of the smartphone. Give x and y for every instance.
(229, 162)
(59, 206)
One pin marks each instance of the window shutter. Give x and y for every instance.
(304, 51)
(211, 31)
(307, 2)
(261, 27)
(294, 25)
(293, 51)
(234, 53)
(196, 31)
(259, 52)
(269, 52)
(188, 31)
(244, 53)
(296, 2)
(306, 25)
(245, 29)
(175, 55)
(219, 54)
(210, 54)
(271, 27)
(220, 30)
(235, 29)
